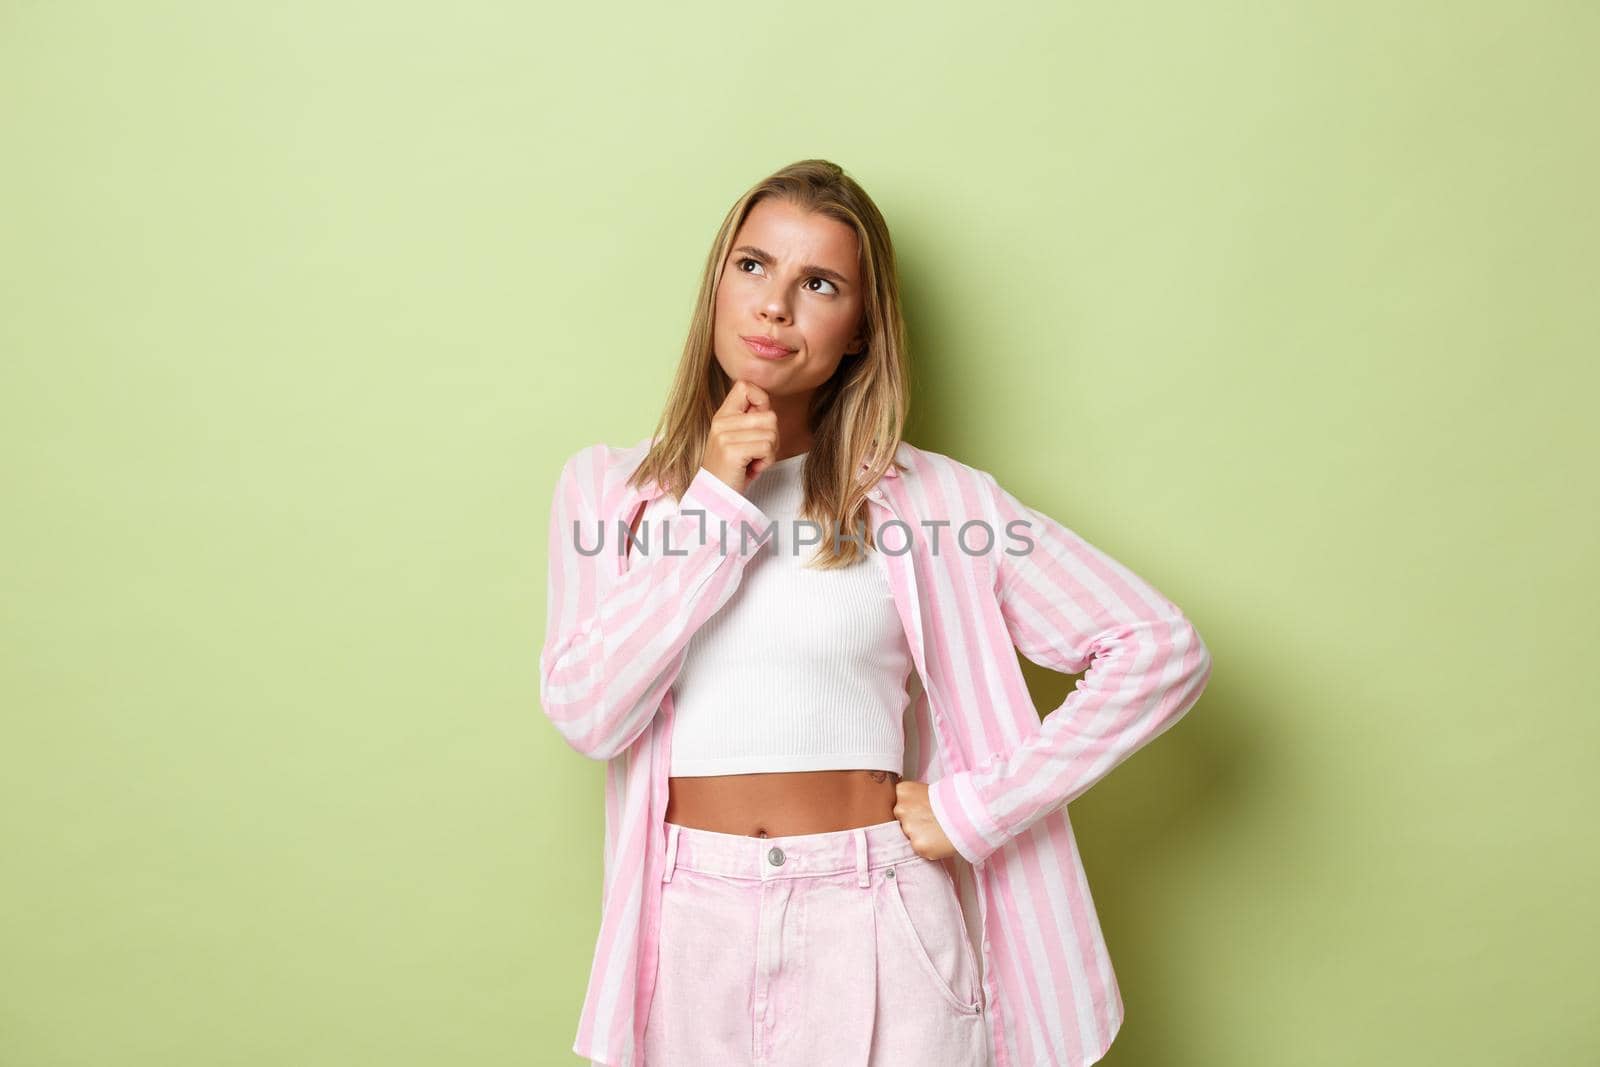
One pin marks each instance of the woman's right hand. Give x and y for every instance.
(743, 440)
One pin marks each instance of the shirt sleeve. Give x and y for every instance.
(614, 643)
(1069, 606)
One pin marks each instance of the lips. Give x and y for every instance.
(765, 346)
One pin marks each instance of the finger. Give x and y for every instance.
(750, 445)
(749, 420)
(736, 400)
(756, 398)
(745, 396)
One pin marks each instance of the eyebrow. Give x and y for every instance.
(810, 268)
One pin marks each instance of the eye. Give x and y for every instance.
(831, 290)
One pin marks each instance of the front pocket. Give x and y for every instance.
(931, 899)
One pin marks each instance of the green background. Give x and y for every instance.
(1289, 307)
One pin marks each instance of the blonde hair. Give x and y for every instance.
(856, 417)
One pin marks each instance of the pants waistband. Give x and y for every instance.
(862, 850)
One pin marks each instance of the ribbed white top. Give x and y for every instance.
(801, 669)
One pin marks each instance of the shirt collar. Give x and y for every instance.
(653, 489)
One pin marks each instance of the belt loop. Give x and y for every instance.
(672, 851)
(861, 858)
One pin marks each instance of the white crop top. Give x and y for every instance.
(801, 669)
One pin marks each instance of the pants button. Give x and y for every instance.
(775, 856)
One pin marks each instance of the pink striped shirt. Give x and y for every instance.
(999, 780)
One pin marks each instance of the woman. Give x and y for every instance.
(797, 608)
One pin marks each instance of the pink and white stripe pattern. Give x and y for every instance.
(1068, 606)
(614, 642)
(999, 779)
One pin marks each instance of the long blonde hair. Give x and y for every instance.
(857, 416)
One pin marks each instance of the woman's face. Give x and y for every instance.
(794, 276)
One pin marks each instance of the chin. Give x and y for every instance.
(754, 364)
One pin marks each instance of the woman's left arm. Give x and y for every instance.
(1069, 606)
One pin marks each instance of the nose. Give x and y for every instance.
(775, 309)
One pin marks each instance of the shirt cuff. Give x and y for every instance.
(962, 817)
(737, 525)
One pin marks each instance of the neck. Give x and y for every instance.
(794, 436)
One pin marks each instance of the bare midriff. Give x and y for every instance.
(781, 803)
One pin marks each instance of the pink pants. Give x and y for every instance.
(819, 950)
